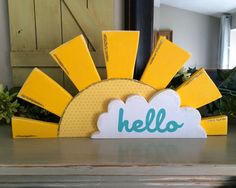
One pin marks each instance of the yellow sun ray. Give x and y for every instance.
(120, 50)
(41, 90)
(29, 128)
(198, 90)
(79, 114)
(75, 60)
(215, 125)
(166, 60)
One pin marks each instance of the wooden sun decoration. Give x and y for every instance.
(120, 107)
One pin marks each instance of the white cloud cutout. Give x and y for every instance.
(160, 117)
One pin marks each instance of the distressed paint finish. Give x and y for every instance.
(38, 26)
(22, 25)
(48, 23)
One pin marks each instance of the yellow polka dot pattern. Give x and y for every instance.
(80, 116)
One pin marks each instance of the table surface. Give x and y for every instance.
(77, 162)
(85, 151)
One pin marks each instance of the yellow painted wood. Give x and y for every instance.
(215, 125)
(22, 25)
(29, 128)
(70, 87)
(32, 59)
(48, 23)
(120, 50)
(166, 60)
(75, 59)
(198, 90)
(93, 19)
(80, 117)
(41, 90)
(20, 74)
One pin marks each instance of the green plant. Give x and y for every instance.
(182, 75)
(8, 104)
(29, 110)
(227, 104)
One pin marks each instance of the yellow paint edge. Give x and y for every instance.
(30, 128)
(215, 125)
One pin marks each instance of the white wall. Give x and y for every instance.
(5, 70)
(196, 33)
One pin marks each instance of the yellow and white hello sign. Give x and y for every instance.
(120, 107)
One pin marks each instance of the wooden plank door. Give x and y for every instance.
(38, 26)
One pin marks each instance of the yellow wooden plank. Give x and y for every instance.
(93, 19)
(29, 128)
(48, 23)
(166, 60)
(20, 74)
(41, 90)
(22, 24)
(75, 59)
(215, 125)
(198, 90)
(120, 50)
(70, 87)
(32, 59)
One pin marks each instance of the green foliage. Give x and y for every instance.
(8, 105)
(181, 76)
(29, 110)
(227, 104)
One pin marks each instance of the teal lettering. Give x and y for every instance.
(172, 126)
(149, 119)
(159, 120)
(123, 124)
(139, 126)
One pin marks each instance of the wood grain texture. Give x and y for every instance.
(38, 26)
(32, 59)
(22, 25)
(48, 23)
(70, 27)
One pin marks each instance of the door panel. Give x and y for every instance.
(38, 26)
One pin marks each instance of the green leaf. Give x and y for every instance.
(228, 78)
